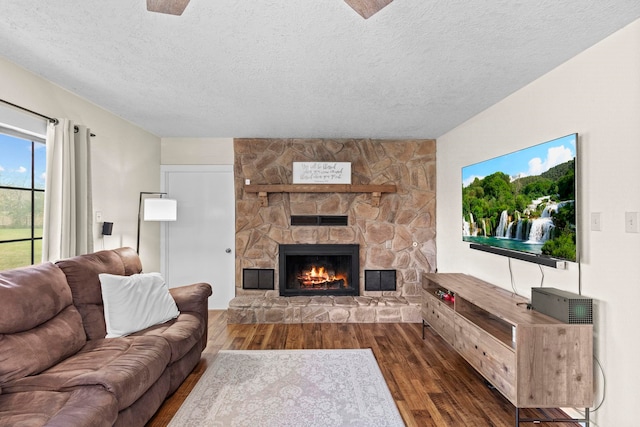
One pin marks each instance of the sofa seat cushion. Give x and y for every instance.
(181, 334)
(125, 366)
(83, 407)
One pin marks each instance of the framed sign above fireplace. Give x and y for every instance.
(321, 172)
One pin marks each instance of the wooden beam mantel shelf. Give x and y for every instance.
(263, 190)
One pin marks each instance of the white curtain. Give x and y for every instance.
(68, 213)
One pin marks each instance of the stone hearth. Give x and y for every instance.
(324, 309)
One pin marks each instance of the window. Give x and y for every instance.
(22, 183)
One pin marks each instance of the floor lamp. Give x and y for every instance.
(155, 209)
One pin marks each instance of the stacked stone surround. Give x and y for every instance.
(398, 234)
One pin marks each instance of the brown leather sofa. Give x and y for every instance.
(56, 366)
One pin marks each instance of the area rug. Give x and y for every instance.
(301, 388)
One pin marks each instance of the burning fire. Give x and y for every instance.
(319, 277)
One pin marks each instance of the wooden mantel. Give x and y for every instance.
(376, 190)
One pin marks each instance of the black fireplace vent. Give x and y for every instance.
(379, 280)
(257, 278)
(326, 220)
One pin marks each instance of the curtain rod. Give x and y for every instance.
(76, 129)
(50, 119)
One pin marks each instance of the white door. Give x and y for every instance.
(200, 245)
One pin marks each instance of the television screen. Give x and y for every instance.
(524, 202)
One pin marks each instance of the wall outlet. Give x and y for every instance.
(631, 222)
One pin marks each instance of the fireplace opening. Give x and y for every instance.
(322, 269)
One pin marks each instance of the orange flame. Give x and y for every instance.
(318, 275)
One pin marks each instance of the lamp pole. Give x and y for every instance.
(155, 193)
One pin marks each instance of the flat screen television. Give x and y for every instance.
(523, 204)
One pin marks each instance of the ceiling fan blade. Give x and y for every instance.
(171, 7)
(367, 8)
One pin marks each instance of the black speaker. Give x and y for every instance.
(107, 228)
(562, 305)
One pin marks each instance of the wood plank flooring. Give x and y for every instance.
(431, 384)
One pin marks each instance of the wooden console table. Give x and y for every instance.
(534, 360)
(263, 190)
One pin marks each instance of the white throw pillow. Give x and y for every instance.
(133, 303)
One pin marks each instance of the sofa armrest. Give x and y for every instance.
(192, 297)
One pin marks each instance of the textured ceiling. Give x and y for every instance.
(293, 68)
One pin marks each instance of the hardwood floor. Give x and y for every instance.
(431, 384)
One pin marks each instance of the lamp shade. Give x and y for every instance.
(160, 210)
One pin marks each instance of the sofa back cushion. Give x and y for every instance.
(39, 326)
(82, 275)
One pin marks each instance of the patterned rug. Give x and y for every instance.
(278, 388)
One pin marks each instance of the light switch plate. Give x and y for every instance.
(631, 222)
(596, 221)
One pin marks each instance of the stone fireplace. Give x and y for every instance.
(323, 269)
(395, 233)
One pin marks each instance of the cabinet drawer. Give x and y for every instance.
(439, 316)
(489, 356)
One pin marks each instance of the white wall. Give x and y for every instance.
(197, 151)
(125, 158)
(596, 94)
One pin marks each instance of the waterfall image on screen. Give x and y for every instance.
(524, 201)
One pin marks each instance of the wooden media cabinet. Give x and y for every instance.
(534, 360)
